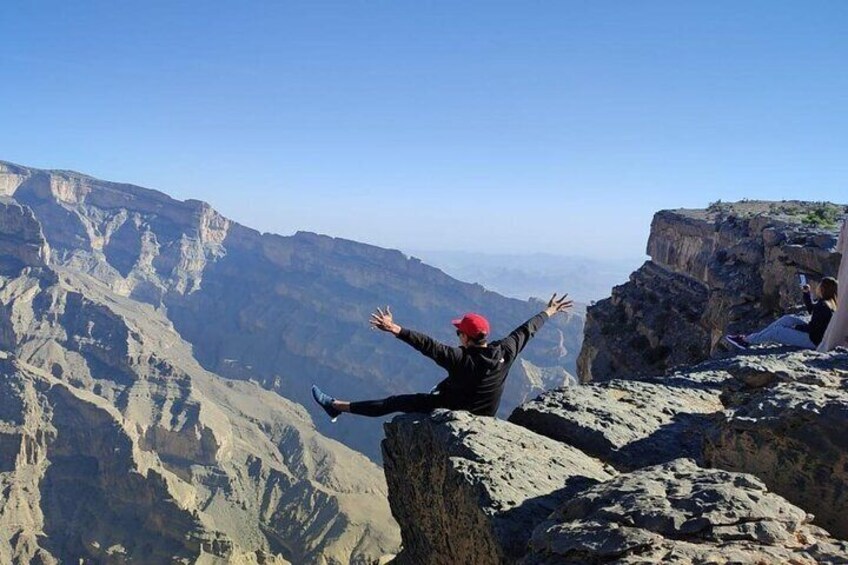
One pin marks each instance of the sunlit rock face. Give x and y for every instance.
(729, 268)
(22, 242)
(284, 312)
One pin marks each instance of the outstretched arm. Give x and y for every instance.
(518, 339)
(806, 293)
(442, 354)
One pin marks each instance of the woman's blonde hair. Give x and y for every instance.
(829, 290)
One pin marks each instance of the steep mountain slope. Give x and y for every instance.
(534, 274)
(117, 446)
(726, 269)
(281, 311)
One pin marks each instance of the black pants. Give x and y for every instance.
(423, 403)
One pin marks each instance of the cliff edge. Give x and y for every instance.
(729, 268)
(662, 455)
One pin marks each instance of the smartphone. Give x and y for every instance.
(802, 278)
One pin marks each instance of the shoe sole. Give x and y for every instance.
(331, 412)
(734, 344)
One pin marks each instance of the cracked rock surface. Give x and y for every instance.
(630, 423)
(787, 423)
(678, 512)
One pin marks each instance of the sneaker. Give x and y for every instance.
(326, 402)
(737, 341)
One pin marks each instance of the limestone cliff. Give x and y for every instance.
(281, 311)
(22, 242)
(729, 268)
(116, 446)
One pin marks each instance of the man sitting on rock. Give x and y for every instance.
(477, 369)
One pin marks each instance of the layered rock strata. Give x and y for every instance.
(730, 268)
(76, 484)
(117, 446)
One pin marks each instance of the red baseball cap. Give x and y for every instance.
(472, 325)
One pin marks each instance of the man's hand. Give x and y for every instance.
(382, 321)
(556, 305)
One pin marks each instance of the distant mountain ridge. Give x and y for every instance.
(525, 275)
(281, 311)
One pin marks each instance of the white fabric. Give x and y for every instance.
(783, 331)
(837, 330)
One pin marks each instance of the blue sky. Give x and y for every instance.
(505, 126)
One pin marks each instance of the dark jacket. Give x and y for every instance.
(476, 375)
(821, 315)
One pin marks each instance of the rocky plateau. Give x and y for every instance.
(740, 460)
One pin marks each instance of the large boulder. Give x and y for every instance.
(680, 513)
(466, 488)
(777, 414)
(630, 423)
(786, 422)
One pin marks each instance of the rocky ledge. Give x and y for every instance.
(630, 424)
(465, 488)
(737, 460)
(786, 422)
(729, 268)
(680, 513)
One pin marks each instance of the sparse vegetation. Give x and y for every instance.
(719, 207)
(824, 216)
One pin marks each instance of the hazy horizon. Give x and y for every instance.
(557, 127)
